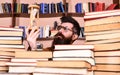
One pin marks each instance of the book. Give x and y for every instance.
(108, 67)
(26, 59)
(108, 46)
(102, 36)
(64, 63)
(111, 7)
(20, 64)
(102, 27)
(3, 63)
(102, 32)
(7, 59)
(106, 73)
(101, 14)
(41, 73)
(105, 20)
(33, 54)
(7, 53)
(6, 73)
(90, 60)
(85, 7)
(21, 69)
(68, 71)
(107, 60)
(12, 46)
(114, 53)
(11, 49)
(73, 53)
(103, 41)
(12, 42)
(10, 38)
(99, 6)
(3, 68)
(10, 29)
(78, 7)
(70, 47)
(11, 33)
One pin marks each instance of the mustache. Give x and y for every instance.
(59, 35)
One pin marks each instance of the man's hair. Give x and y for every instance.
(76, 26)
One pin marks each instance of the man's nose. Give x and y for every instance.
(61, 30)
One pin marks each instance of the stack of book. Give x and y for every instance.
(10, 41)
(4, 58)
(68, 60)
(102, 29)
(25, 61)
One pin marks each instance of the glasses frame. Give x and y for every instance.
(65, 28)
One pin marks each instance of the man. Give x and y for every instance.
(68, 32)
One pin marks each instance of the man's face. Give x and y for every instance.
(64, 35)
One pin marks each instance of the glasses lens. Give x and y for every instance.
(65, 28)
(59, 27)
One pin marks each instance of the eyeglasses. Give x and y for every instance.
(66, 29)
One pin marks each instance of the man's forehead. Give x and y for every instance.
(67, 24)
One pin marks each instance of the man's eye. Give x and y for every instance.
(65, 28)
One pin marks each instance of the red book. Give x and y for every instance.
(111, 7)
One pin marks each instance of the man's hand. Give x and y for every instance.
(32, 37)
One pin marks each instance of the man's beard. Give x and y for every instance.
(60, 39)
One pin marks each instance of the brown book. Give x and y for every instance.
(108, 67)
(3, 63)
(3, 59)
(11, 49)
(61, 71)
(64, 63)
(33, 54)
(3, 68)
(102, 27)
(100, 21)
(102, 32)
(12, 46)
(10, 42)
(41, 73)
(102, 36)
(26, 59)
(115, 53)
(101, 14)
(107, 60)
(6, 73)
(106, 73)
(103, 41)
(73, 53)
(70, 47)
(21, 69)
(10, 29)
(11, 33)
(109, 46)
(21, 64)
(7, 53)
(90, 60)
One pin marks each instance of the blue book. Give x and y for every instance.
(42, 8)
(24, 30)
(46, 8)
(53, 8)
(61, 7)
(41, 32)
(78, 8)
